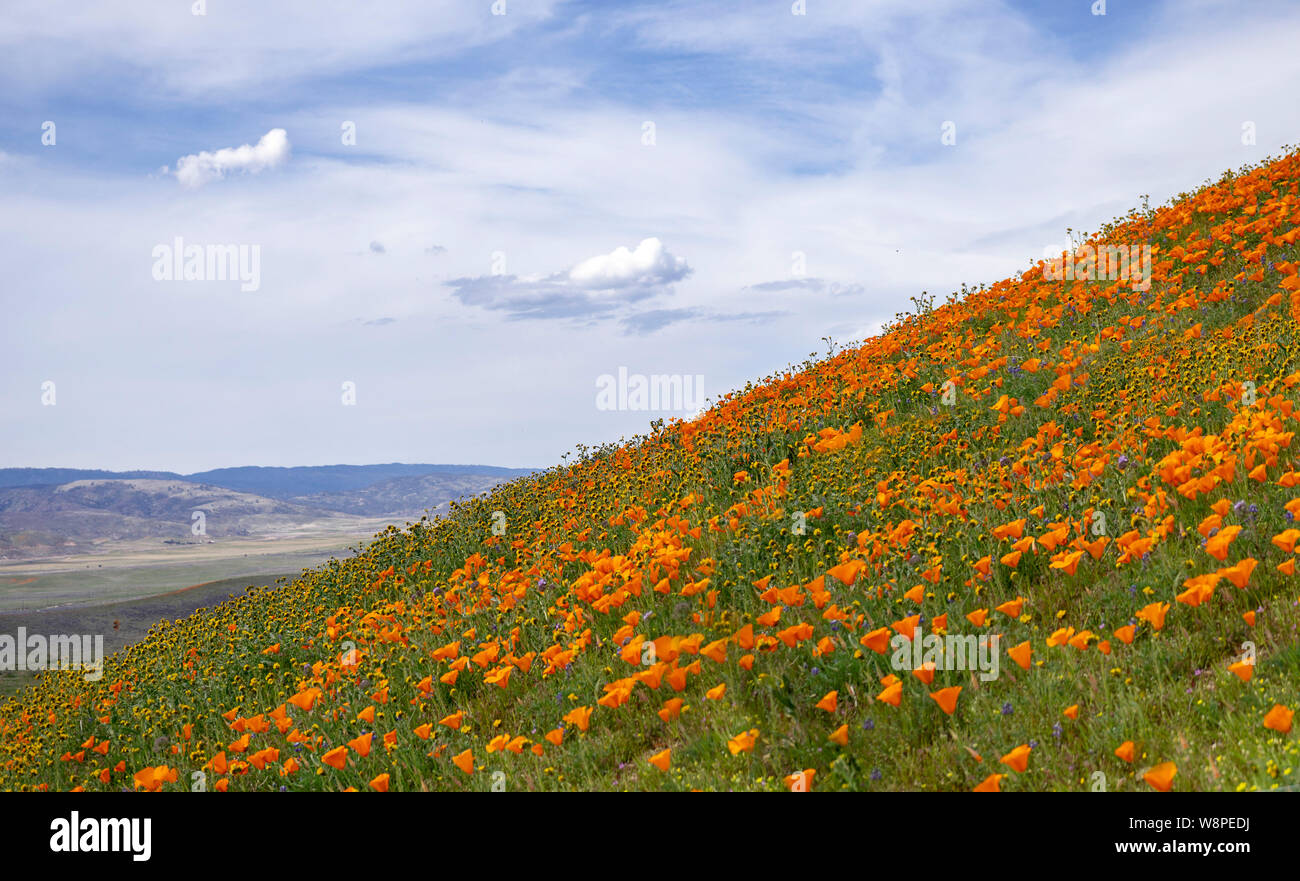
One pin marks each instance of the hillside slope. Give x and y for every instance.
(1100, 475)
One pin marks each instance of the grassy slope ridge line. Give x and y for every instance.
(1102, 477)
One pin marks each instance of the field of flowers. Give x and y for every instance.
(1102, 477)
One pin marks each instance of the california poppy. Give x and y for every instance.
(1018, 758)
(1279, 719)
(946, 698)
(1161, 777)
(743, 742)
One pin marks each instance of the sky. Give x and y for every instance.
(446, 230)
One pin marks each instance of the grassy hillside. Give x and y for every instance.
(1102, 477)
(122, 622)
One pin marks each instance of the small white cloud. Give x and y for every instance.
(201, 168)
(597, 287)
(649, 264)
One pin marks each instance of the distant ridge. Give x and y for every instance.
(46, 511)
(274, 482)
(14, 477)
(284, 482)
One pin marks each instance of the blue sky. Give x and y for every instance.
(501, 235)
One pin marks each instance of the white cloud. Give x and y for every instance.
(581, 293)
(201, 168)
(649, 264)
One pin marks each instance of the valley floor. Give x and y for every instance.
(143, 569)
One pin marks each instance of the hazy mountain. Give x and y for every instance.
(403, 496)
(288, 483)
(85, 514)
(56, 476)
(274, 482)
(55, 511)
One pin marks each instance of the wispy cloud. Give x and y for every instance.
(815, 285)
(652, 320)
(237, 48)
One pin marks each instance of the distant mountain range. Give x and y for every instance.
(276, 483)
(55, 511)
